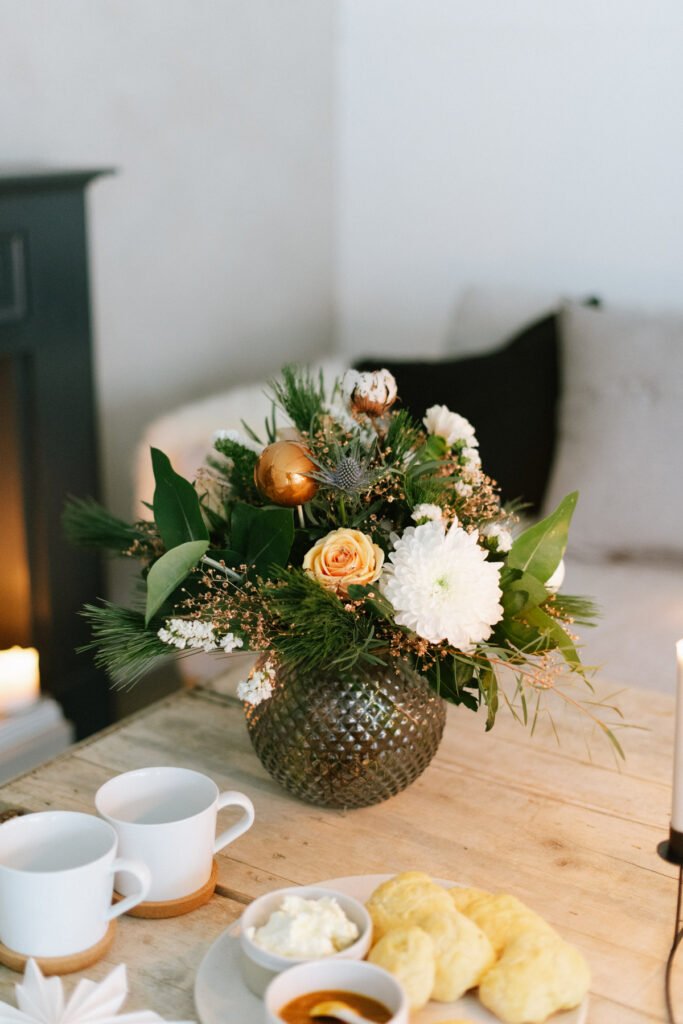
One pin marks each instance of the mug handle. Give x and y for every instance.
(232, 798)
(142, 873)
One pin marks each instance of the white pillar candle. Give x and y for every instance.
(19, 678)
(677, 803)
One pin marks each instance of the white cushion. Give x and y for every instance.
(621, 432)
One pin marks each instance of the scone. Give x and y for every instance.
(404, 899)
(503, 918)
(538, 974)
(462, 953)
(462, 897)
(408, 954)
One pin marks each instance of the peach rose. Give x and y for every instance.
(344, 557)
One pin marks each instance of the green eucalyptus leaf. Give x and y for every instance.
(522, 593)
(177, 511)
(540, 548)
(262, 537)
(523, 637)
(488, 684)
(556, 636)
(168, 573)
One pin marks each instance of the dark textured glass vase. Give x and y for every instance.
(348, 739)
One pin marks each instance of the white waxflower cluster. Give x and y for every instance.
(258, 686)
(195, 635)
(426, 513)
(499, 536)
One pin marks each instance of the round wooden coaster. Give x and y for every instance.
(176, 908)
(61, 964)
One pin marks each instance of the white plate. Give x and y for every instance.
(221, 997)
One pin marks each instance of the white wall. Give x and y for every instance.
(535, 144)
(212, 248)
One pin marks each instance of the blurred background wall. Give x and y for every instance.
(293, 173)
(211, 249)
(527, 144)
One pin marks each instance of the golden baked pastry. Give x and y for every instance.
(462, 953)
(408, 954)
(403, 899)
(463, 897)
(503, 918)
(538, 974)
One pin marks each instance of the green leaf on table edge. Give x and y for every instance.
(177, 511)
(540, 548)
(168, 573)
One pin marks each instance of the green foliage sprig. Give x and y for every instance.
(121, 642)
(301, 396)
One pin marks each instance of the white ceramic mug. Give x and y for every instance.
(166, 817)
(56, 881)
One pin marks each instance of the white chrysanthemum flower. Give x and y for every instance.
(426, 511)
(189, 634)
(451, 426)
(499, 535)
(238, 438)
(259, 686)
(462, 489)
(442, 586)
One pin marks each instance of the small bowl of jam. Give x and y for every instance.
(369, 990)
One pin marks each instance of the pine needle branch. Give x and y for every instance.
(88, 524)
(580, 610)
(315, 628)
(123, 646)
(301, 396)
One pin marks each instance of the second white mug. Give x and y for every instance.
(166, 817)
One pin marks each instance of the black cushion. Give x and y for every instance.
(510, 397)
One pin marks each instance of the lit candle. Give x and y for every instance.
(677, 803)
(19, 678)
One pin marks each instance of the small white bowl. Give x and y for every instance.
(336, 975)
(259, 966)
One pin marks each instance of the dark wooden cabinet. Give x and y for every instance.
(48, 435)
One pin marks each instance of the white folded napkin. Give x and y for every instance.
(41, 1001)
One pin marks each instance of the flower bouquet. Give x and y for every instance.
(367, 558)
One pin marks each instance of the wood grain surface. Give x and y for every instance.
(567, 829)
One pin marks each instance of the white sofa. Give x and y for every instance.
(641, 599)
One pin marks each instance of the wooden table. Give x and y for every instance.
(573, 838)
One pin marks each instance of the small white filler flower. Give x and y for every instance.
(451, 426)
(258, 686)
(499, 536)
(426, 513)
(442, 585)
